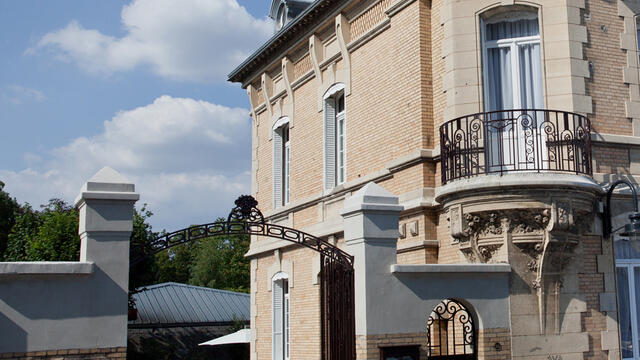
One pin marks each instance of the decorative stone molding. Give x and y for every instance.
(343, 33)
(267, 93)
(287, 76)
(483, 233)
(280, 265)
(315, 50)
(255, 139)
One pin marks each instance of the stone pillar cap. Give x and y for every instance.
(108, 184)
(371, 197)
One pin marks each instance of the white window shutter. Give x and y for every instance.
(277, 320)
(277, 169)
(329, 144)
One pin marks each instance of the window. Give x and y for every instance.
(281, 18)
(512, 72)
(281, 162)
(451, 332)
(280, 334)
(335, 140)
(512, 62)
(628, 281)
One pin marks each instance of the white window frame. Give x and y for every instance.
(282, 165)
(630, 264)
(514, 44)
(334, 92)
(284, 314)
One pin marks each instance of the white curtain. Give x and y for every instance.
(514, 81)
(500, 92)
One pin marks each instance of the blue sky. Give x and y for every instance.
(137, 85)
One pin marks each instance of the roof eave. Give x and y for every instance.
(289, 32)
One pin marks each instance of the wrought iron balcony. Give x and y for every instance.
(515, 141)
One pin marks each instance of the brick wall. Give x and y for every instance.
(610, 160)
(70, 354)
(591, 285)
(304, 305)
(606, 86)
(369, 347)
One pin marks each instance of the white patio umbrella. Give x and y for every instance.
(238, 337)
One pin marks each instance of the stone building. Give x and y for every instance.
(484, 133)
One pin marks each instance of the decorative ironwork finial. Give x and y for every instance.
(246, 210)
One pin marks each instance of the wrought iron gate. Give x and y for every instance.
(337, 301)
(451, 332)
(337, 309)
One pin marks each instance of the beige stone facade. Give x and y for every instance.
(407, 67)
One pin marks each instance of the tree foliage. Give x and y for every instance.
(8, 209)
(51, 234)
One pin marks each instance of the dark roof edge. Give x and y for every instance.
(195, 287)
(290, 32)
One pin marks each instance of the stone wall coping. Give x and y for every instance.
(518, 180)
(451, 268)
(46, 268)
(615, 139)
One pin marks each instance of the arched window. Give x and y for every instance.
(280, 327)
(512, 61)
(281, 162)
(451, 332)
(281, 17)
(628, 280)
(335, 137)
(512, 73)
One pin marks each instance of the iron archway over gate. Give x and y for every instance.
(337, 301)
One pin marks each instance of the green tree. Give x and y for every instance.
(57, 238)
(220, 263)
(23, 232)
(142, 235)
(8, 211)
(50, 234)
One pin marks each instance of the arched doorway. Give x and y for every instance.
(337, 300)
(451, 334)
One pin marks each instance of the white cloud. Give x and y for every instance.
(189, 160)
(19, 95)
(193, 40)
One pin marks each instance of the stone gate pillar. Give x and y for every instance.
(371, 232)
(105, 207)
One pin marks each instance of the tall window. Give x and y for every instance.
(512, 62)
(335, 141)
(281, 162)
(280, 335)
(512, 81)
(628, 280)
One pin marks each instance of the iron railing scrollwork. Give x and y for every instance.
(451, 332)
(336, 273)
(515, 140)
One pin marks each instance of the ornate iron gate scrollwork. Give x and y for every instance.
(450, 332)
(336, 276)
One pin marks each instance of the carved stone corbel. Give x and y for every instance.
(562, 215)
(267, 93)
(557, 254)
(343, 33)
(251, 92)
(287, 76)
